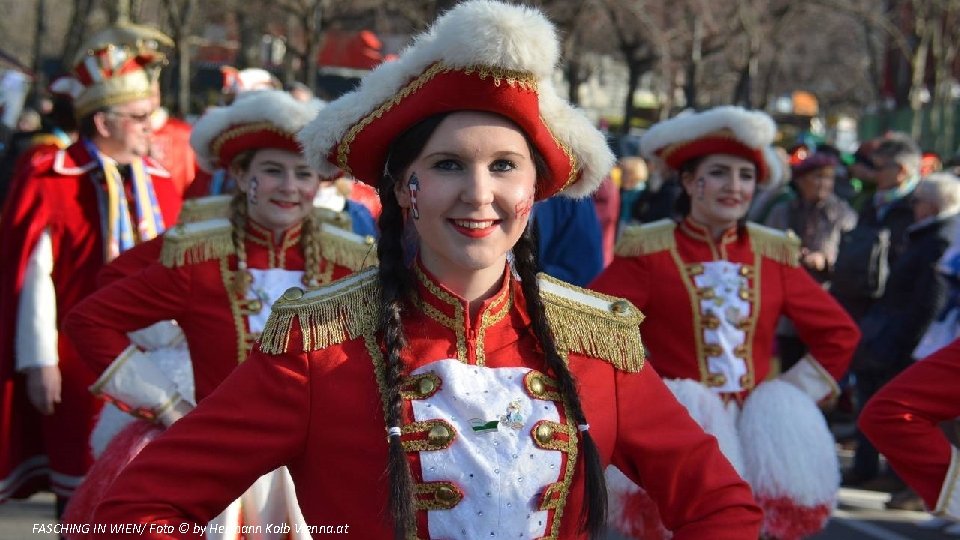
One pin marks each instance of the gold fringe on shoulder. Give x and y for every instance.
(593, 324)
(335, 313)
(197, 242)
(783, 247)
(205, 208)
(647, 238)
(347, 249)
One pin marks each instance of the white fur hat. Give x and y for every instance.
(482, 55)
(721, 130)
(258, 119)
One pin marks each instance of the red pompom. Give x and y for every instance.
(786, 520)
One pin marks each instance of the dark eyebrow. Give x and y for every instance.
(448, 154)
(271, 162)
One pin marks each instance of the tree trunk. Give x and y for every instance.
(633, 81)
(919, 64)
(312, 44)
(694, 64)
(75, 32)
(572, 70)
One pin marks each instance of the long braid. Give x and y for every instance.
(238, 219)
(310, 246)
(594, 511)
(394, 287)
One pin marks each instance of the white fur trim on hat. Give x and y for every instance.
(755, 129)
(474, 33)
(274, 106)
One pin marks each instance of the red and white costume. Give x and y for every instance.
(192, 281)
(906, 419)
(53, 244)
(490, 443)
(712, 309)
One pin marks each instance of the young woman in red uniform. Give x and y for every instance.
(713, 287)
(217, 280)
(912, 421)
(452, 392)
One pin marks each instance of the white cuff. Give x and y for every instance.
(36, 330)
(810, 377)
(137, 385)
(948, 504)
(157, 336)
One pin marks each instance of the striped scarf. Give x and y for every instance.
(116, 223)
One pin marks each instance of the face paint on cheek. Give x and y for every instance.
(414, 186)
(252, 192)
(523, 208)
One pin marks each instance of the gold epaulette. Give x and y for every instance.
(340, 220)
(341, 310)
(593, 324)
(205, 208)
(781, 246)
(191, 243)
(647, 238)
(346, 248)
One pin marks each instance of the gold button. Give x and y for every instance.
(744, 294)
(293, 293)
(620, 307)
(256, 306)
(446, 494)
(544, 433)
(427, 386)
(439, 435)
(536, 385)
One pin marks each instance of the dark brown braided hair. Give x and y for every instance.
(396, 285)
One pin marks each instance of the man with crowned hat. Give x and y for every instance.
(72, 212)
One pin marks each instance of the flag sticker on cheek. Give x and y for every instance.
(414, 186)
(523, 208)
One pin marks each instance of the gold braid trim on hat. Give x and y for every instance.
(648, 238)
(783, 247)
(197, 242)
(342, 310)
(240, 130)
(607, 328)
(522, 79)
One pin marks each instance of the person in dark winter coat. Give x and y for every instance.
(914, 295)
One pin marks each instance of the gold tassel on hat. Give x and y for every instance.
(783, 247)
(647, 238)
(333, 314)
(593, 324)
(191, 243)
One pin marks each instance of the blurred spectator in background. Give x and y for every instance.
(633, 182)
(914, 294)
(818, 217)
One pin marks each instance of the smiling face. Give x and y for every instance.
(474, 188)
(720, 189)
(280, 188)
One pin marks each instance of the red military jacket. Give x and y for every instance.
(490, 442)
(904, 420)
(57, 195)
(219, 325)
(712, 307)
